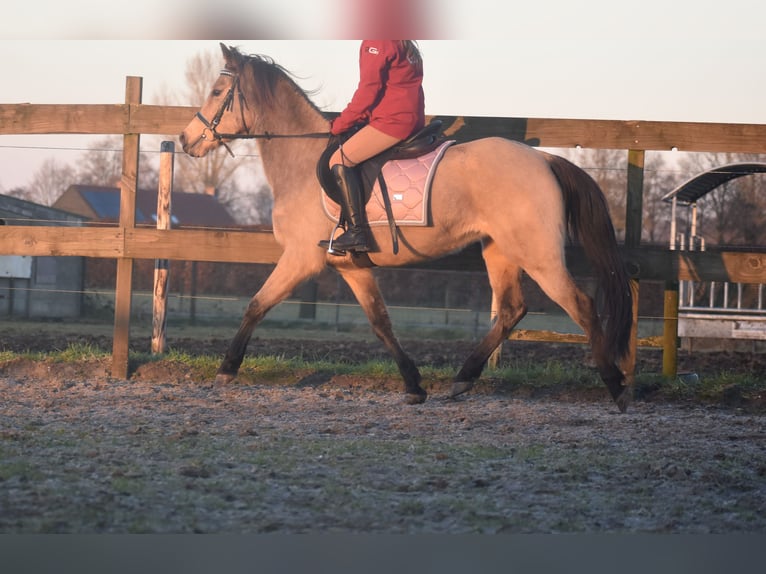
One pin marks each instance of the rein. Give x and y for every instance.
(270, 136)
(227, 105)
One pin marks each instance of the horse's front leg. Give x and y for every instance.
(365, 288)
(287, 275)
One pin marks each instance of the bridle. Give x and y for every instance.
(227, 105)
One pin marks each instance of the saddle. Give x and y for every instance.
(370, 171)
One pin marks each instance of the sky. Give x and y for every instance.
(682, 60)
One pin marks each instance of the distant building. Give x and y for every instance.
(39, 287)
(102, 205)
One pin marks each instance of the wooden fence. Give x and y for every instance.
(126, 242)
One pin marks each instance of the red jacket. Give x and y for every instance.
(390, 92)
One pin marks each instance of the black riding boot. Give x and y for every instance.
(352, 205)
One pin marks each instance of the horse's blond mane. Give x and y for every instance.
(266, 77)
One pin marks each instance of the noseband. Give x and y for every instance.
(226, 106)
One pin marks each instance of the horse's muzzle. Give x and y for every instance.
(190, 148)
(184, 142)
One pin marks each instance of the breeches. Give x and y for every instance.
(363, 145)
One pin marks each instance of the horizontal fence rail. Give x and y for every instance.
(562, 133)
(650, 263)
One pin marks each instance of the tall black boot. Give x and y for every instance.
(352, 205)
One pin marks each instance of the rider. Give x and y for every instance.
(387, 107)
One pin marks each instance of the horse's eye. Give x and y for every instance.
(217, 93)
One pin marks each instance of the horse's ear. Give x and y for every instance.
(232, 57)
(226, 52)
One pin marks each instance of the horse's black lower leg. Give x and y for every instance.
(581, 308)
(505, 280)
(610, 373)
(507, 318)
(621, 392)
(613, 377)
(291, 269)
(414, 393)
(381, 326)
(238, 346)
(366, 290)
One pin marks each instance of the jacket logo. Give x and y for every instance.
(372, 50)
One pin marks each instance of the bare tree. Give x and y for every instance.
(102, 165)
(48, 182)
(608, 167)
(659, 179)
(750, 210)
(732, 213)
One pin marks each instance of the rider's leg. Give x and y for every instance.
(352, 203)
(364, 144)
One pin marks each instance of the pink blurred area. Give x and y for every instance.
(270, 20)
(391, 19)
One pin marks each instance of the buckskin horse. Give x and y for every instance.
(520, 203)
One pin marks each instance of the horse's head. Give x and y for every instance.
(223, 115)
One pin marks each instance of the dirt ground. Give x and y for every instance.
(166, 452)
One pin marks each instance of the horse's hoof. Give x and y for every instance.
(223, 379)
(415, 398)
(460, 387)
(625, 398)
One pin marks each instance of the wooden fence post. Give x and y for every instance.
(633, 227)
(161, 266)
(670, 330)
(124, 283)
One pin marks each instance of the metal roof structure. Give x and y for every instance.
(16, 211)
(702, 184)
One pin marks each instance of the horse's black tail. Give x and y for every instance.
(589, 223)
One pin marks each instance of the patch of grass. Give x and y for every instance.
(7, 356)
(79, 352)
(749, 385)
(548, 374)
(127, 485)
(277, 368)
(75, 352)
(204, 365)
(19, 469)
(378, 369)
(32, 355)
(727, 388)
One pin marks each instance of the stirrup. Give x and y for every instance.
(328, 244)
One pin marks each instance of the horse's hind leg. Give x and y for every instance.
(505, 280)
(558, 284)
(283, 280)
(365, 288)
